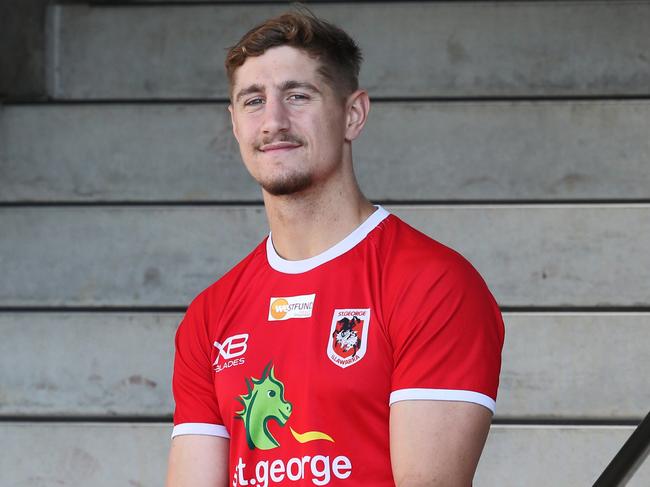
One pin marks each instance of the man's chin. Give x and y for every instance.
(286, 187)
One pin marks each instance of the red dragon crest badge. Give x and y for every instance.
(348, 336)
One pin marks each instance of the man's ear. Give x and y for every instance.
(357, 110)
(232, 121)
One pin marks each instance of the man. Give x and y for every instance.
(347, 348)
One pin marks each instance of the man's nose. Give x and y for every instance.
(276, 117)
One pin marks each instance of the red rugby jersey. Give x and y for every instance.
(298, 362)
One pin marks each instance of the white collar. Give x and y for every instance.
(299, 266)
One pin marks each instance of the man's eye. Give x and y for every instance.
(254, 101)
(298, 96)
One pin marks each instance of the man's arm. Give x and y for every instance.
(436, 443)
(198, 461)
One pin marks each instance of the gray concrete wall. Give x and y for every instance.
(536, 150)
(553, 365)
(85, 455)
(558, 256)
(22, 49)
(436, 49)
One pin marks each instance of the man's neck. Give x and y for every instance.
(309, 223)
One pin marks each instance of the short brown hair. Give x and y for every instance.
(339, 55)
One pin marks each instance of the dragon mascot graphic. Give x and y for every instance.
(263, 402)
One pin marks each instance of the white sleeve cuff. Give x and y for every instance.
(442, 395)
(200, 429)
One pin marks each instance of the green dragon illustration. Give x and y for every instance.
(263, 401)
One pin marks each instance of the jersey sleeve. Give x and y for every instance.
(447, 335)
(197, 409)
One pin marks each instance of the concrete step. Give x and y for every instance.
(104, 455)
(443, 151)
(530, 255)
(432, 49)
(570, 366)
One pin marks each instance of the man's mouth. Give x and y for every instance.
(279, 146)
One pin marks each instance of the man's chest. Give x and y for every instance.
(307, 353)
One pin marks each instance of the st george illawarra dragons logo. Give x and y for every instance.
(348, 339)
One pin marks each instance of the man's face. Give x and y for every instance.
(288, 121)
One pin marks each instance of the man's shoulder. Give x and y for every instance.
(409, 247)
(413, 260)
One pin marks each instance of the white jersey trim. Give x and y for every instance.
(200, 429)
(299, 266)
(442, 395)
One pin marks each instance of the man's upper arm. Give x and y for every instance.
(198, 461)
(447, 357)
(436, 443)
(199, 449)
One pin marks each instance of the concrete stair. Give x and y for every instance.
(423, 49)
(571, 150)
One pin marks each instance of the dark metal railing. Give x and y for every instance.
(629, 457)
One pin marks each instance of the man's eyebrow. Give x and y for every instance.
(292, 84)
(286, 85)
(255, 88)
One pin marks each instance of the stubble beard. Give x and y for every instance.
(287, 184)
(292, 182)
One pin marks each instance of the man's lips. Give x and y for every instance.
(278, 146)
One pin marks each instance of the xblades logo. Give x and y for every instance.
(231, 348)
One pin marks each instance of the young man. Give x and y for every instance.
(348, 348)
